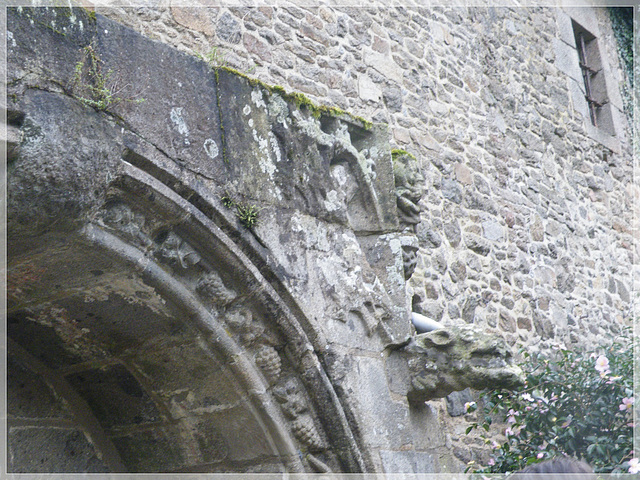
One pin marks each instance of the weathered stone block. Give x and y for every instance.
(186, 121)
(456, 402)
(194, 18)
(29, 396)
(407, 462)
(477, 244)
(150, 451)
(45, 450)
(47, 42)
(367, 89)
(115, 396)
(451, 190)
(385, 423)
(492, 230)
(455, 358)
(228, 29)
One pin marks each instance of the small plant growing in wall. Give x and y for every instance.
(247, 214)
(215, 57)
(578, 404)
(96, 88)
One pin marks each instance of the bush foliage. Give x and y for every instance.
(577, 404)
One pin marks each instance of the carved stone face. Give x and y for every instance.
(456, 358)
(409, 188)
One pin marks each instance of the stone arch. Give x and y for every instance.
(169, 334)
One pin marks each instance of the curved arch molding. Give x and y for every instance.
(188, 276)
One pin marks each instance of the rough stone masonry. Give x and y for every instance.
(528, 216)
(209, 272)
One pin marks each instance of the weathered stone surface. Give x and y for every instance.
(184, 111)
(452, 231)
(383, 419)
(409, 184)
(132, 226)
(44, 54)
(29, 395)
(451, 190)
(492, 230)
(192, 18)
(502, 156)
(407, 462)
(56, 178)
(368, 90)
(456, 358)
(477, 244)
(116, 396)
(228, 28)
(67, 450)
(456, 402)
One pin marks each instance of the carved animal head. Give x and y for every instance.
(455, 358)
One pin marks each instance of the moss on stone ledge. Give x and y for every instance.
(397, 152)
(299, 99)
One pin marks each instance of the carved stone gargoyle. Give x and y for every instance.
(455, 358)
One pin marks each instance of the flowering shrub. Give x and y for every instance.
(575, 404)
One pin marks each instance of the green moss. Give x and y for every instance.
(214, 58)
(91, 14)
(398, 152)
(54, 30)
(299, 99)
(279, 90)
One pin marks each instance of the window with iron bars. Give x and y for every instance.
(594, 78)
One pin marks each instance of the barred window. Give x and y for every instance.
(595, 89)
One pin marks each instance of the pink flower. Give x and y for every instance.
(634, 465)
(512, 416)
(491, 462)
(495, 445)
(627, 404)
(540, 455)
(509, 432)
(602, 365)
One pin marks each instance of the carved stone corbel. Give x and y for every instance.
(455, 358)
(409, 184)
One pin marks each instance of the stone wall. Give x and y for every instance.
(528, 216)
(527, 219)
(526, 223)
